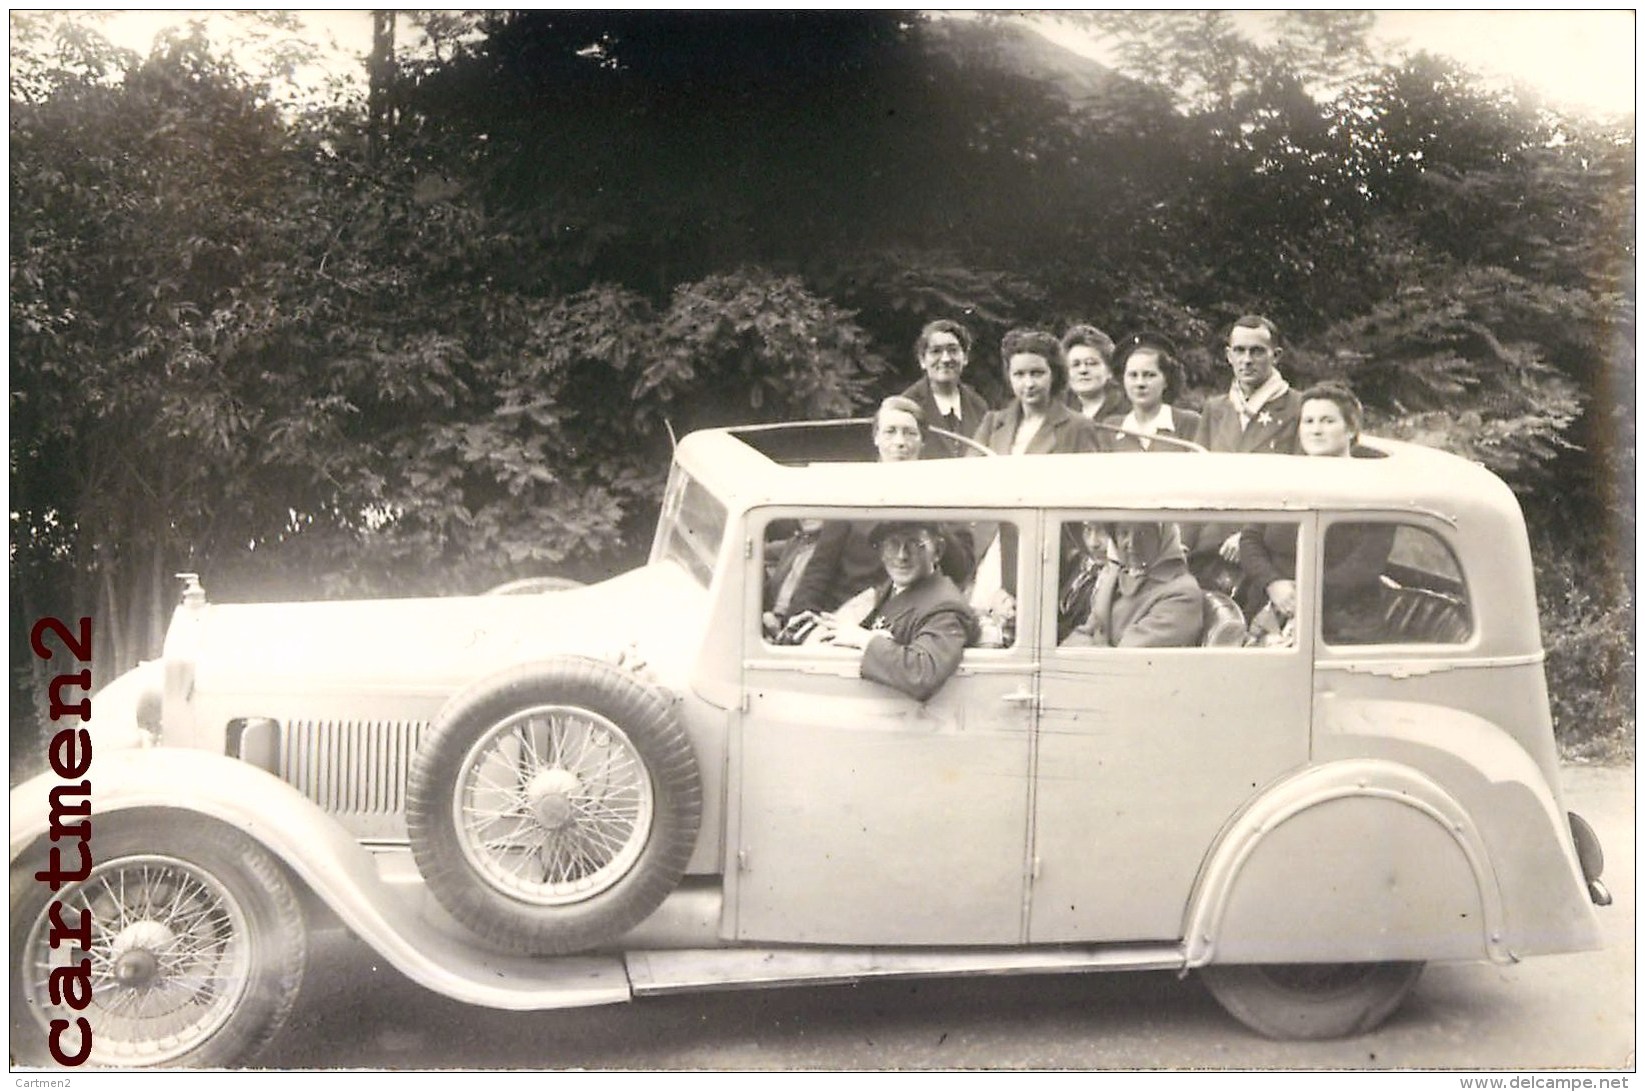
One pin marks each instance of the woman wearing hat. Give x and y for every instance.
(1351, 611)
(1146, 598)
(1147, 366)
(1038, 421)
(919, 625)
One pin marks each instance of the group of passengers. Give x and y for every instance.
(894, 590)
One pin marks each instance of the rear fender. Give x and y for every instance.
(1363, 860)
(194, 784)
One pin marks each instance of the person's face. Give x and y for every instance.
(1323, 428)
(1251, 353)
(909, 556)
(943, 359)
(897, 436)
(1093, 536)
(1136, 543)
(1144, 379)
(1030, 376)
(1088, 372)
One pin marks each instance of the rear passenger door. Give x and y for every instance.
(1143, 754)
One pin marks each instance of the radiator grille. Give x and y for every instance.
(350, 767)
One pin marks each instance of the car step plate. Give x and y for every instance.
(658, 972)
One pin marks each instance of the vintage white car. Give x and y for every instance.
(537, 801)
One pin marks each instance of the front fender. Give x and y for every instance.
(194, 784)
(1356, 861)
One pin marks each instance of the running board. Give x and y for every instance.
(698, 969)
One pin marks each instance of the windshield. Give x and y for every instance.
(691, 526)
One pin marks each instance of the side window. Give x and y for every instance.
(816, 565)
(1388, 583)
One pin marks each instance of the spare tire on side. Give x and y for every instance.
(554, 806)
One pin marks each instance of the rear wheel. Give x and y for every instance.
(1311, 1000)
(197, 948)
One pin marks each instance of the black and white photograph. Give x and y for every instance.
(575, 542)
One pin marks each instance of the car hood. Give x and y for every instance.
(429, 645)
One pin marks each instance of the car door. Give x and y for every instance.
(1144, 754)
(863, 816)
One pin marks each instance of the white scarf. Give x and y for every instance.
(1248, 407)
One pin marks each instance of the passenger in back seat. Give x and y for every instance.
(1353, 610)
(1146, 597)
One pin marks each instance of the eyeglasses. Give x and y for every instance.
(896, 547)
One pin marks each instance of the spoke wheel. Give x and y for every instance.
(554, 807)
(196, 954)
(553, 804)
(1311, 1000)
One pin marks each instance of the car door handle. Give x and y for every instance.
(1018, 697)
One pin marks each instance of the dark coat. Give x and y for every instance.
(1063, 431)
(1274, 429)
(1187, 425)
(1164, 608)
(1355, 556)
(972, 410)
(1113, 401)
(922, 632)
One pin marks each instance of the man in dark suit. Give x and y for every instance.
(943, 350)
(1258, 414)
(920, 624)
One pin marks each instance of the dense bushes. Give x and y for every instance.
(1587, 618)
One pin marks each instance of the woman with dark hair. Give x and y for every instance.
(1092, 390)
(1148, 370)
(1037, 422)
(1352, 608)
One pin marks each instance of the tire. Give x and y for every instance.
(197, 919)
(553, 808)
(1311, 1000)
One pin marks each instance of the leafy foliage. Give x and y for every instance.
(1588, 627)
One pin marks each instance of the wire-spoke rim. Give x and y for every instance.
(553, 804)
(170, 958)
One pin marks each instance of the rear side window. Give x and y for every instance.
(1392, 583)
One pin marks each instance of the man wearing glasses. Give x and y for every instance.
(943, 349)
(914, 635)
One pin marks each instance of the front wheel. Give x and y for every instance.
(197, 950)
(1311, 1000)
